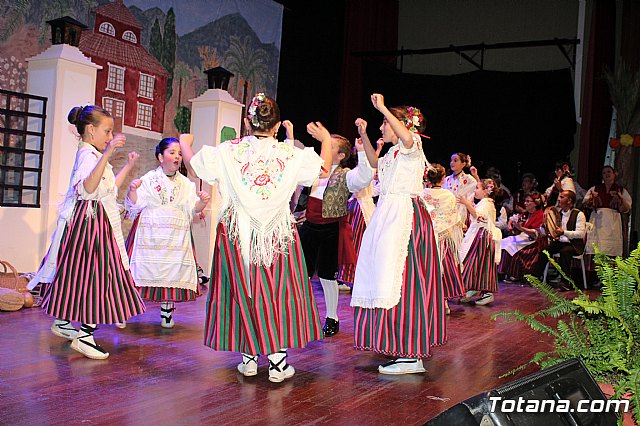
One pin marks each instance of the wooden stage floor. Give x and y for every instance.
(168, 377)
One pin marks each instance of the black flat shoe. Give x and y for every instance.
(331, 327)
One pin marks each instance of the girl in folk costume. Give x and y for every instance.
(162, 204)
(443, 209)
(608, 200)
(459, 182)
(397, 293)
(480, 247)
(260, 301)
(326, 235)
(360, 209)
(520, 251)
(86, 268)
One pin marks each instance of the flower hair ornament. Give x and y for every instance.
(536, 198)
(253, 106)
(489, 186)
(414, 120)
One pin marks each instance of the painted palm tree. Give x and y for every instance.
(182, 75)
(247, 63)
(17, 12)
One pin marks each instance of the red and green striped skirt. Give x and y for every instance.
(451, 270)
(91, 284)
(270, 309)
(358, 225)
(161, 294)
(524, 261)
(479, 271)
(418, 321)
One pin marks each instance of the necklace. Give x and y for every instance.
(262, 136)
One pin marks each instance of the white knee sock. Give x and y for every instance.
(330, 289)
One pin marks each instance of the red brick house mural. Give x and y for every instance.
(132, 83)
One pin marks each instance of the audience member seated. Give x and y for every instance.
(529, 184)
(520, 251)
(562, 182)
(565, 226)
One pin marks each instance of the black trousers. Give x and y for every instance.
(320, 247)
(566, 251)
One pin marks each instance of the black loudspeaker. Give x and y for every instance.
(562, 395)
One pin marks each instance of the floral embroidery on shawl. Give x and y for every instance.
(261, 174)
(159, 184)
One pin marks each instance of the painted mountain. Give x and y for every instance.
(238, 49)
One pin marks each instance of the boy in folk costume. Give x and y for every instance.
(397, 293)
(162, 204)
(326, 235)
(260, 301)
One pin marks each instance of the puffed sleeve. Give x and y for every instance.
(86, 161)
(207, 164)
(311, 165)
(417, 145)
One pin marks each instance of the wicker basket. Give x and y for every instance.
(10, 279)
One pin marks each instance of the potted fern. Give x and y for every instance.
(604, 333)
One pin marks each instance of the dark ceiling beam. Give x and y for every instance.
(479, 47)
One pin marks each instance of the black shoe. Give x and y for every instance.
(331, 327)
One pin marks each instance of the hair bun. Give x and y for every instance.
(264, 112)
(74, 115)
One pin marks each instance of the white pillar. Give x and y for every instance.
(210, 112)
(67, 78)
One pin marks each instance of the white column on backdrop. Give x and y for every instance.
(66, 78)
(210, 113)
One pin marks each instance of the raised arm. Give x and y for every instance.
(360, 177)
(93, 180)
(401, 130)
(186, 147)
(131, 162)
(372, 155)
(320, 133)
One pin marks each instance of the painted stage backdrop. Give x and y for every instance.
(153, 52)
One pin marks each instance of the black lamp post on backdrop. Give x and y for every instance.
(218, 78)
(66, 30)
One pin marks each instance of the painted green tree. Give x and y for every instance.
(247, 63)
(182, 120)
(155, 41)
(169, 42)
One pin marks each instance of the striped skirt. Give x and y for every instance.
(479, 270)
(358, 225)
(452, 282)
(91, 284)
(417, 322)
(271, 309)
(160, 294)
(524, 261)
